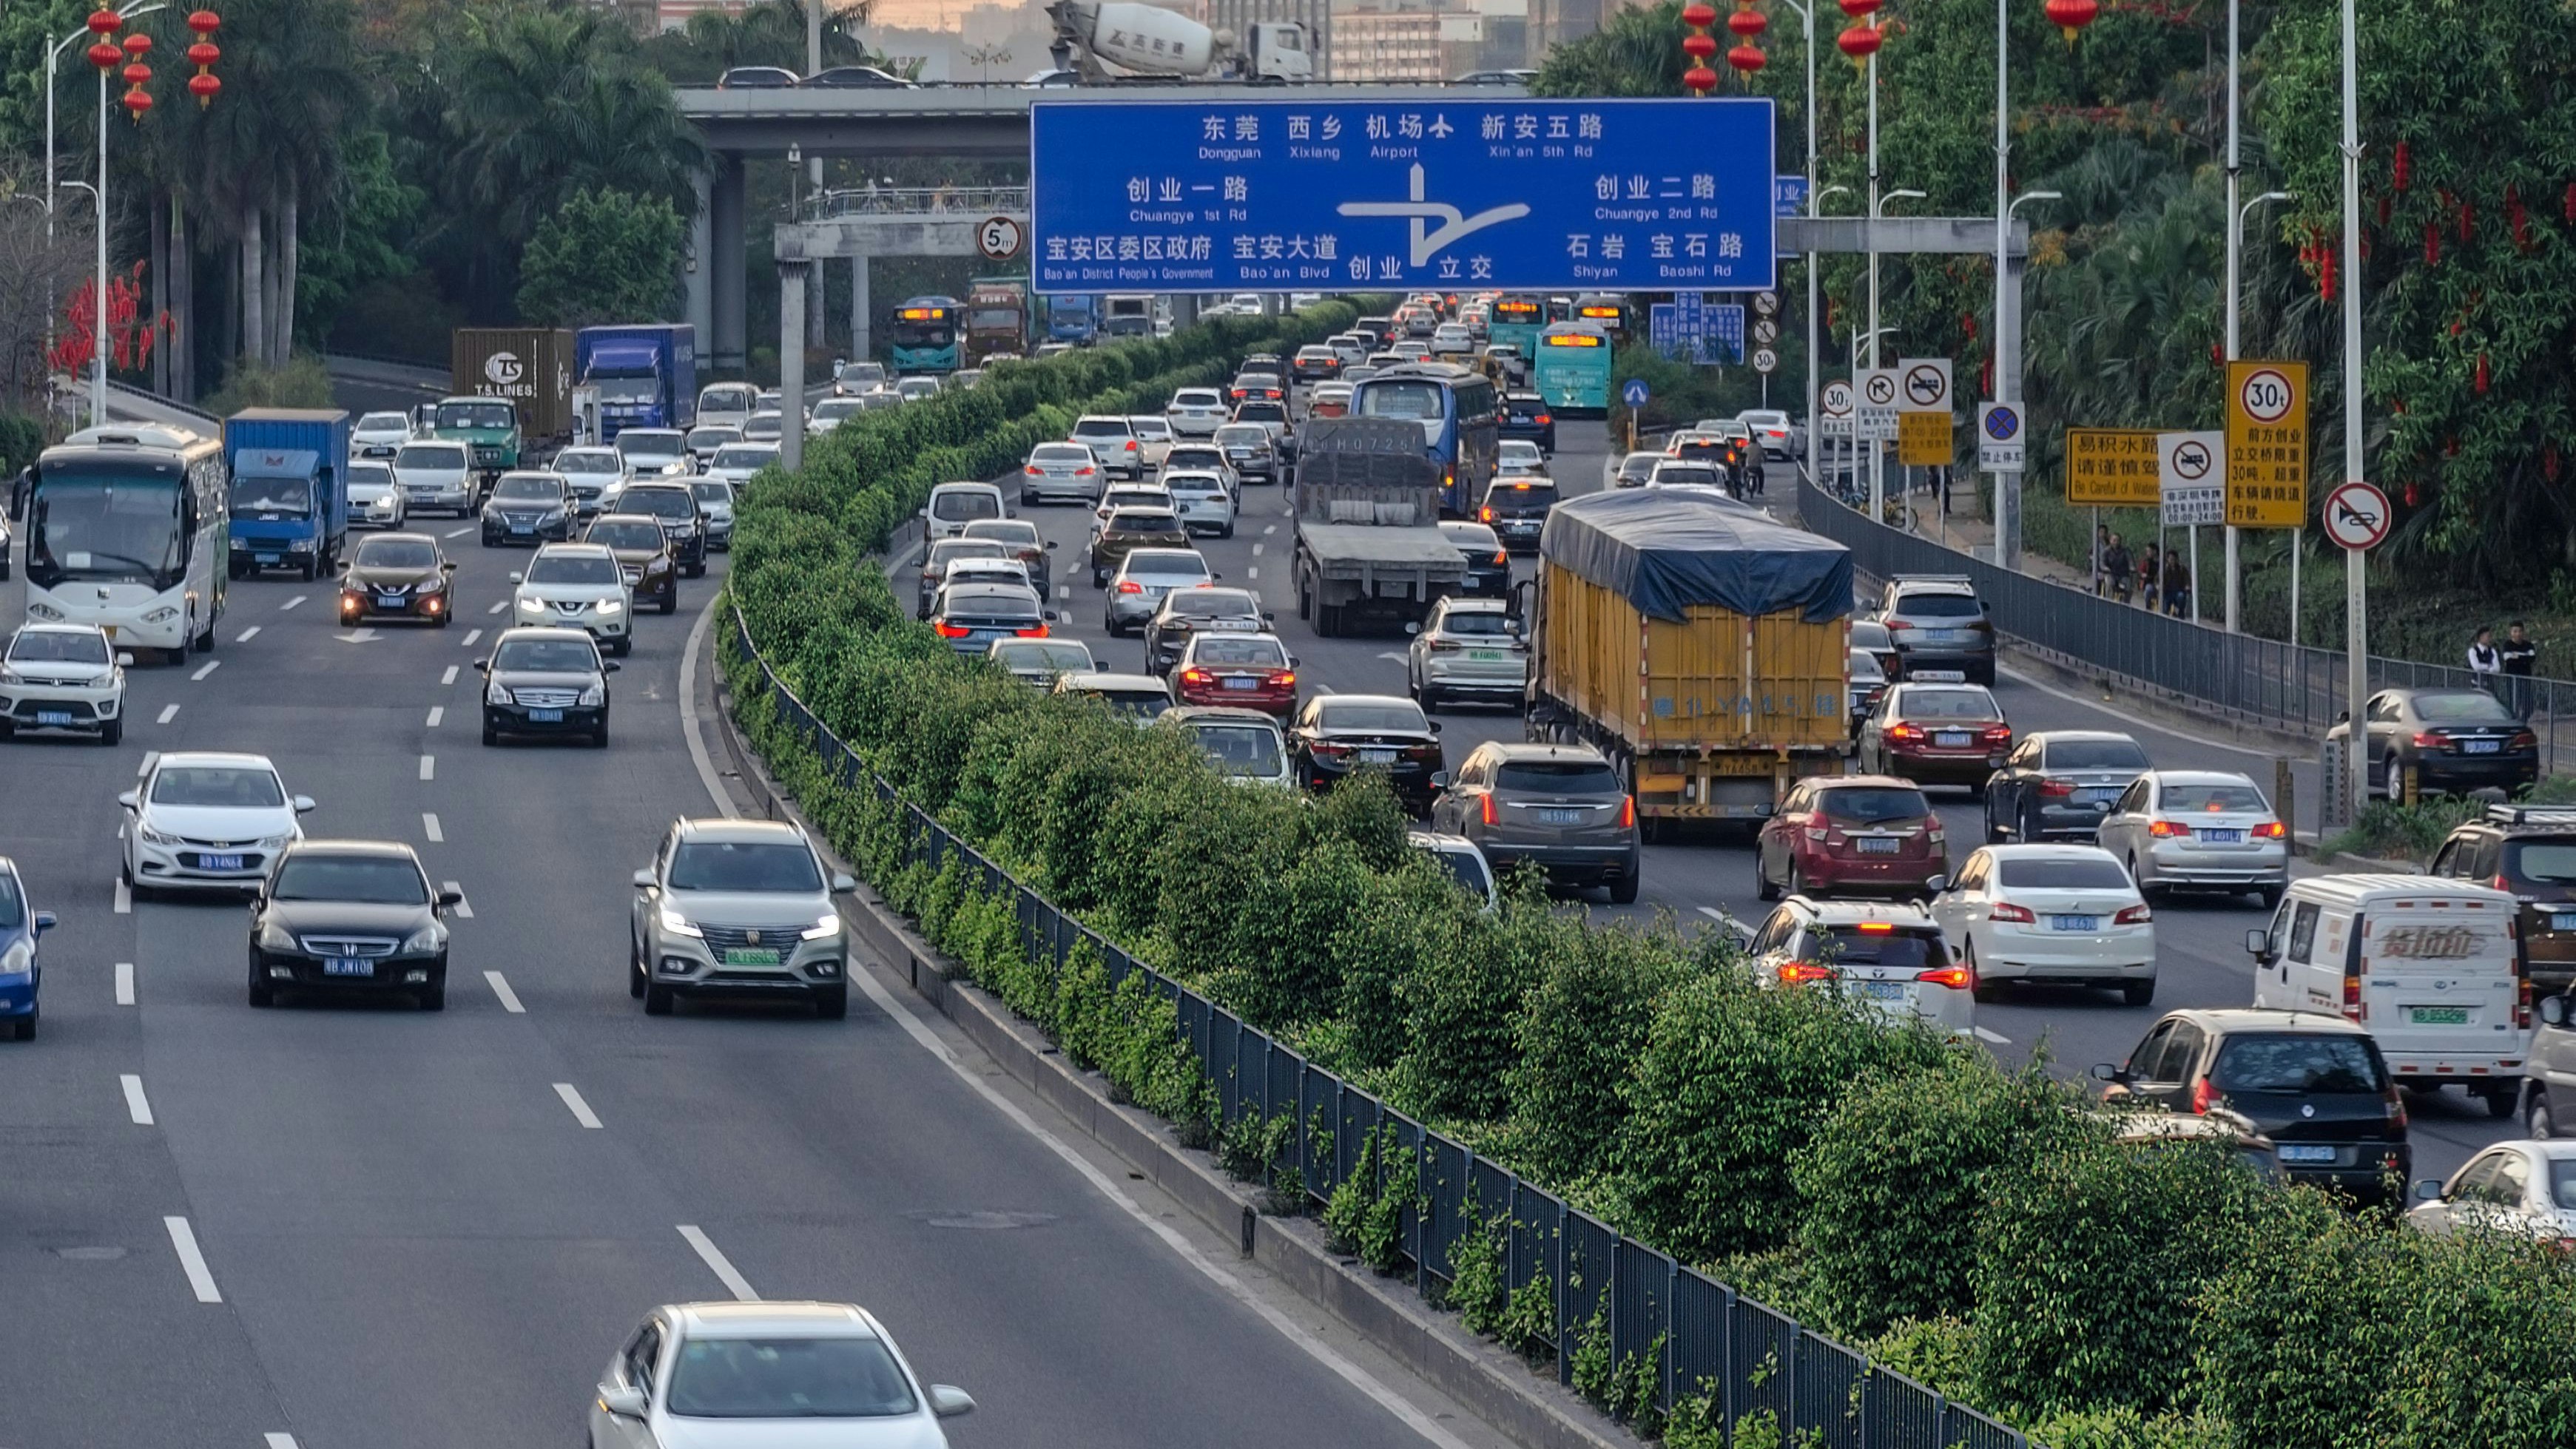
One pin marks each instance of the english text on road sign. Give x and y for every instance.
(1999, 442)
(1295, 195)
(1765, 360)
(1633, 392)
(2191, 474)
(1877, 409)
(998, 238)
(2113, 467)
(1923, 440)
(1923, 384)
(2356, 515)
(2267, 444)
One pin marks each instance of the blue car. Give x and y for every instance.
(20, 972)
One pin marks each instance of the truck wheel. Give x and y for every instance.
(1328, 620)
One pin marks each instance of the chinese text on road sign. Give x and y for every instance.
(2267, 444)
(1999, 445)
(2189, 470)
(2113, 467)
(1690, 329)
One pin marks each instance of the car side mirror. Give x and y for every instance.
(1294, 662)
(2258, 944)
(2428, 1189)
(303, 804)
(447, 567)
(608, 666)
(2553, 1010)
(124, 660)
(2105, 1072)
(1050, 543)
(2343, 716)
(1216, 578)
(1937, 884)
(1440, 779)
(1435, 726)
(518, 578)
(643, 880)
(948, 1401)
(624, 1402)
(842, 885)
(131, 800)
(483, 666)
(1050, 616)
(1413, 628)
(44, 921)
(450, 899)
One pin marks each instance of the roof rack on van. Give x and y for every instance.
(2531, 815)
(1931, 579)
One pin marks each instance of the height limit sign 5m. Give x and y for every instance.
(2267, 444)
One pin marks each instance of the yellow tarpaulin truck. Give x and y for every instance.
(1697, 644)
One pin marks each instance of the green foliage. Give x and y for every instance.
(21, 439)
(361, 239)
(1476, 1283)
(1365, 1215)
(301, 383)
(1579, 1030)
(605, 256)
(2393, 830)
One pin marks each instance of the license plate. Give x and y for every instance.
(2075, 923)
(2223, 837)
(2563, 921)
(1377, 757)
(1946, 636)
(1883, 990)
(523, 528)
(545, 716)
(1560, 817)
(1951, 739)
(2438, 1015)
(750, 958)
(55, 718)
(389, 601)
(2305, 1152)
(347, 966)
(1485, 655)
(266, 558)
(2481, 747)
(1242, 682)
(219, 862)
(1877, 844)
(1937, 676)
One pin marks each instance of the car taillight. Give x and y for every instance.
(1628, 812)
(1798, 973)
(1038, 631)
(2007, 911)
(1502, 558)
(1904, 732)
(1130, 586)
(1131, 445)
(1283, 678)
(1998, 734)
(1326, 747)
(2431, 739)
(2203, 1095)
(952, 631)
(1544, 420)
(1954, 977)
(2137, 915)
(1084, 472)
(2523, 741)
(2271, 830)
(1034, 471)
(2522, 1003)
(2353, 1006)
(1194, 676)
(1489, 816)
(1445, 646)
(1485, 514)
(2396, 1106)
(2168, 830)
(2057, 789)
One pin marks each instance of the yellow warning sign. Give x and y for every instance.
(2113, 468)
(2267, 444)
(1923, 440)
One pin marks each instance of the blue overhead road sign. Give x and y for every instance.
(1286, 195)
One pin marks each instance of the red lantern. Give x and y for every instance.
(105, 55)
(1860, 42)
(1700, 78)
(2479, 381)
(203, 22)
(2414, 495)
(138, 45)
(104, 22)
(1861, 9)
(2071, 16)
(204, 53)
(1746, 22)
(2432, 244)
(1699, 47)
(203, 87)
(138, 100)
(1746, 58)
(2326, 274)
(138, 74)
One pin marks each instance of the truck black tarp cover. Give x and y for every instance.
(1664, 552)
(1384, 452)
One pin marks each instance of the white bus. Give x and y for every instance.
(128, 527)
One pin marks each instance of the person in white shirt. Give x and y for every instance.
(2485, 661)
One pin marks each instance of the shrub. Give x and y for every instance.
(1577, 1036)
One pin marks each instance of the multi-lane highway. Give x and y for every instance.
(358, 1227)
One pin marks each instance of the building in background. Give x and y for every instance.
(1426, 40)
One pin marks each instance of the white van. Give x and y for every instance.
(2431, 968)
(954, 505)
(727, 404)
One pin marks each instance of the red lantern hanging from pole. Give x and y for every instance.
(1860, 42)
(202, 55)
(2071, 16)
(1699, 45)
(1747, 22)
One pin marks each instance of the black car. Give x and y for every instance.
(529, 508)
(355, 915)
(1184, 612)
(971, 616)
(396, 576)
(1516, 508)
(2451, 740)
(546, 681)
(1939, 626)
(1270, 363)
(1250, 452)
(1526, 415)
(2060, 782)
(1338, 735)
(1489, 567)
(1262, 386)
(2315, 1085)
(1376, 329)
(675, 507)
(644, 555)
(2529, 850)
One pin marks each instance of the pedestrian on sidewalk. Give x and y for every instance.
(2486, 662)
(2177, 577)
(2101, 559)
(2521, 658)
(2116, 566)
(2148, 593)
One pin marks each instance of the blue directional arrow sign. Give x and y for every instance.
(1289, 195)
(1634, 393)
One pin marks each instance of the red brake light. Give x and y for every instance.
(1875, 928)
(1902, 731)
(1998, 733)
(2169, 829)
(1502, 558)
(1130, 586)
(1954, 977)
(2007, 911)
(2430, 739)
(1286, 678)
(1084, 472)
(2271, 830)
(2137, 915)
(952, 631)
(2353, 1006)
(2203, 1096)
(1485, 514)
(2056, 788)
(1194, 676)
(1489, 816)
(1544, 420)
(1033, 470)
(2523, 741)
(2522, 1003)
(1039, 632)
(1798, 973)
(1628, 813)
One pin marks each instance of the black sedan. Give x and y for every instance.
(354, 915)
(2450, 740)
(675, 507)
(546, 681)
(644, 555)
(396, 576)
(2060, 782)
(1185, 612)
(1489, 567)
(529, 508)
(1339, 735)
(1526, 415)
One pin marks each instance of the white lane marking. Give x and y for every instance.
(437, 712)
(458, 532)
(1323, 688)
(247, 635)
(497, 606)
(428, 766)
(470, 636)
(464, 909)
(1391, 654)
(1256, 550)
(1064, 591)
(429, 827)
(715, 1259)
(1274, 528)
(278, 1441)
(209, 667)
(501, 988)
(581, 1112)
(1993, 1038)
(450, 676)
(169, 712)
(125, 983)
(884, 1000)
(2098, 707)
(150, 758)
(1249, 574)
(136, 1105)
(291, 603)
(124, 898)
(184, 1240)
(357, 636)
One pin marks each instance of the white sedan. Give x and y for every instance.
(1519, 455)
(63, 677)
(766, 1375)
(1202, 502)
(2060, 914)
(2522, 1189)
(374, 501)
(208, 821)
(593, 472)
(377, 435)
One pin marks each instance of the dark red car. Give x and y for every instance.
(1848, 835)
(1936, 734)
(1246, 671)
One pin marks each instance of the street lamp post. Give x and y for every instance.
(1815, 335)
(1815, 342)
(1877, 208)
(2007, 355)
(2235, 285)
(2357, 626)
(98, 322)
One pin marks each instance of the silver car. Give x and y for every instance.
(1143, 578)
(2198, 830)
(373, 499)
(715, 503)
(377, 435)
(1467, 649)
(1196, 412)
(654, 452)
(766, 1375)
(1061, 470)
(593, 472)
(737, 907)
(737, 464)
(435, 475)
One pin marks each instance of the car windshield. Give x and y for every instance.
(1196, 485)
(1261, 412)
(787, 1378)
(579, 568)
(2094, 755)
(744, 865)
(1211, 604)
(750, 460)
(1187, 456)
(1689, 473)
(1174, 564)
(729, 399)
(1196, 398)
(1239, 649)
(272, 495)
(422, 456)
(1937, 606)
(1073, 453)
(570, 462)
(1154, 429)
(1873, 805)
(712, 437)
(476, 415)
(1864, 668)
(961, 504)
(370, 475)
(1360, 715)
(1873, 944)
(2551, 862)
(1143, 520)
(1973, 704)
(1868, 634)
(2298, 1063)
(1044, 654)
(2562, 1181)
(1237, 436)
(713, 490)
(46, 646)
(2467, 706)
(374, 880)
(548, 656)
(1005, 530)
(2213, 799)
(1401, 399)
(13, 911)
(1521, 495)
(660, 502)
(1103, 428)
(384, 423)
(396, 553)
(949, 550)
(529, 489)
(220, 786)
(2062, 873)
(1467, 870)
(1241, 749)
(1558, 777)
(1481, 624)
(623, 534)
(649, 443)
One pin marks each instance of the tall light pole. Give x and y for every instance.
(2006, 352)
(1815, 344)
(2235, 286)
(2356, 619)
(1877, 207)
(1807, 28)
(131, 10)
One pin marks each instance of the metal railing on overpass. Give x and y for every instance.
(924, 201)
(1695, 1334)
(2267, 682)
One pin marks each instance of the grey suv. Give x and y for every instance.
(1559, 807)
(737, 907)
(1939, 625)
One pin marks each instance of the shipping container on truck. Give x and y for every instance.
(646, 374)
(1369, 545)
(290, 489)
(1697, 644)
(531, 367)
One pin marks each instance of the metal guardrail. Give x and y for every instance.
(146, 398)
(923, 201)
(2291, 687)
(1699, 1336)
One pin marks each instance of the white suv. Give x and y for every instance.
(737, 907)
(208, 821)
(63, 676)
(1114, 440)
(1196, 412)
(576, 586)
(1891, 956)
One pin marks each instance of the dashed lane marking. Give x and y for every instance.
(150, 758)
(291, 603)
(125, 983)
(209, 667)
(358, 635)
(137, 1106)
(470, 636)
(581, 1112)
(428, 767)
(458, 532)
(715, 1260)
(429, 827)
(169, 712)
(183, 1240)
(124, 899)
(497, 606)
(1993, 1038)
(450, 676)
(437, 712)
(247, 635)
(501, 988)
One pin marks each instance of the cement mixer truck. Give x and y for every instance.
(1108, 42)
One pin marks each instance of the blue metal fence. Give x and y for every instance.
(1689, 1333)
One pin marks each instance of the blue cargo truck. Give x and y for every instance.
(1069, 319)
(647, 374)
(290, 489)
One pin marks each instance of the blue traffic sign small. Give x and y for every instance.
(1634, 394)
(2003, 423)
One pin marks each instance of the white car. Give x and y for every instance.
(1246, 746)
(715, 505)
(764, 427)
(831, 412)
(1202, 502)
(435, 475)
(849, 379)
(1113, 439)
(988, 571)
(63, 677)
(1061, 470)
(207, 821)
(593, 472)
(917, 389)
(1779, 437)
(377, 435)
(1452, 339)
(1519, 455)
(766, 1375)
(654, 452)
(2520, 1189)
(1890, 955)
(2066, 915)
(1153, 437)
(373, 499)
(704, 439)
(1196, 412)
(952, 506)
(576, 586)
(2198, 830)
(727, 404)
(737, 464)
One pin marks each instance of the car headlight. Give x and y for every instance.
(594, 696)
(430, 586)
(609, 606)
(299, 545)
(18, 960)
(823, 929)
(162, 615)
(553, 515)
(10, 676)
(276, 843)
(678, 925)
(531, 606)
(150, 836)
(43, 611)
(496, 694)
(427, 938)
(275, 937)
